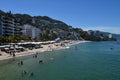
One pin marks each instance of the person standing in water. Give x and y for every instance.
(76, 47)
(21, 62)
(31, 74)
(40, 61)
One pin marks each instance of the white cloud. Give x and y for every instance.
(115, 30)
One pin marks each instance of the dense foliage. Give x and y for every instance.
(11, 39)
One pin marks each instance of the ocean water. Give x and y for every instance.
(89, 61)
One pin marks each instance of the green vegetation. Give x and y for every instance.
(11, 39)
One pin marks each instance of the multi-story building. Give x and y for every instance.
(17, 29)
(31, 31)
(8, 26)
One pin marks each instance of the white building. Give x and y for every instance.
(110, 35)
(31, 31)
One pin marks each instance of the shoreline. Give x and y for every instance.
(48, 47)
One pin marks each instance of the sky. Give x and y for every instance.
(101, 15)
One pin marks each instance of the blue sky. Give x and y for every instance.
(87, 14)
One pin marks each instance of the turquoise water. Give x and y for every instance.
(90, 61)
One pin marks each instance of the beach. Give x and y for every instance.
(48, 47)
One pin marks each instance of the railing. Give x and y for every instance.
(8, 28)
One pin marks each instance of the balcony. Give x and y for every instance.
(8, 24)
(8, 21)
(8, 28)
(8, 34)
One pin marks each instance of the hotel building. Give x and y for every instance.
(9, 26)
(31, 31)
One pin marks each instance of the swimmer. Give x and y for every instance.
(31, 74)
(21, 62)
(40, 61)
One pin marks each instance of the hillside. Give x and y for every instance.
(52, 28)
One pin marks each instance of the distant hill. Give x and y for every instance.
(99, 33)
(117, 36)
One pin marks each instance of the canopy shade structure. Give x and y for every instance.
(57, 39)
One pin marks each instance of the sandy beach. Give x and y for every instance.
(49, 47)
